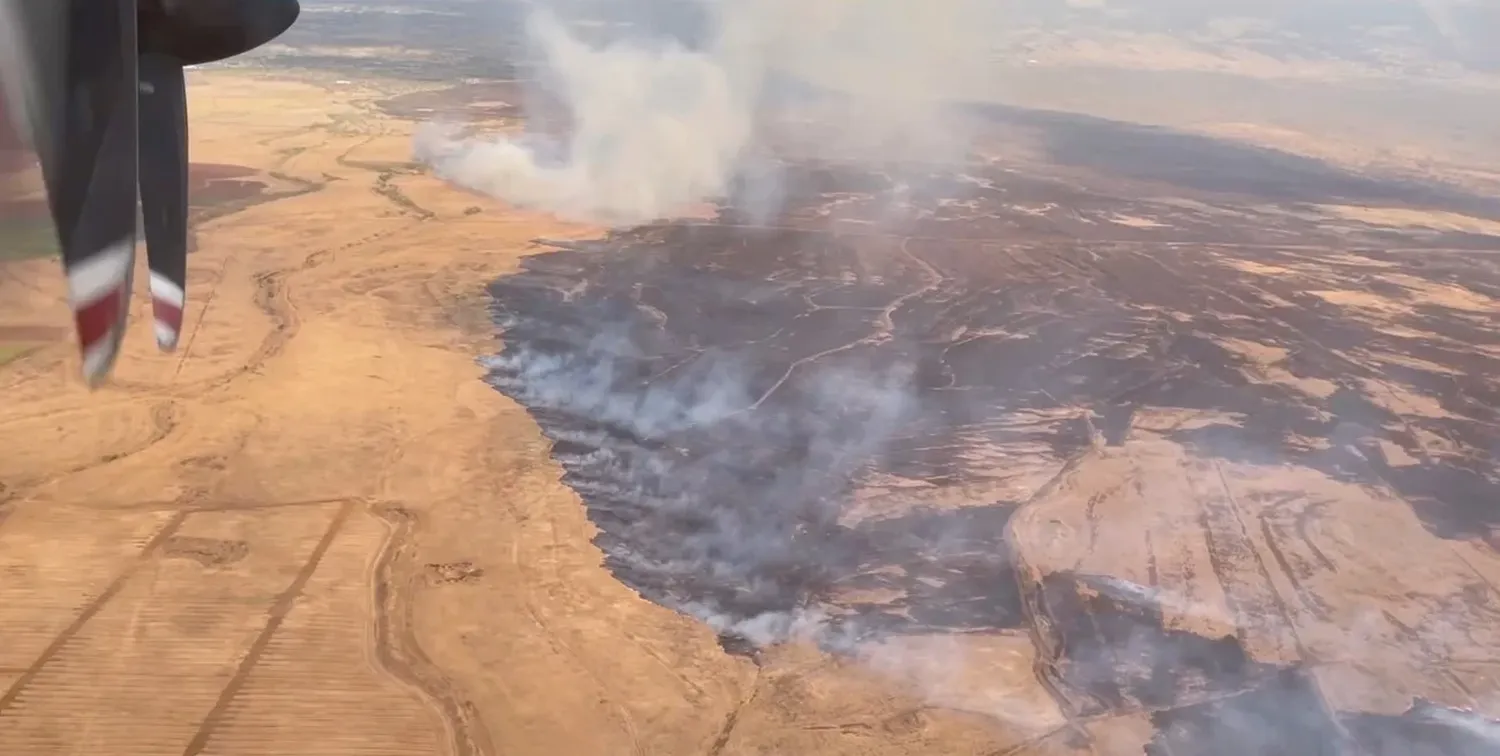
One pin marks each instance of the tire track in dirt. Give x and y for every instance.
(1246, 545)
(273, 298)
(165, 418)
(272, 295)
(880, 331)
(397, 650)
(1037, 619)
(721, 741)
(10, 696)
(277, 615)
(608, 694)
(192, 335)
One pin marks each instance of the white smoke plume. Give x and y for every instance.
(658, 127)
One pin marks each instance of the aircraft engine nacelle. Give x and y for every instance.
(203, 31)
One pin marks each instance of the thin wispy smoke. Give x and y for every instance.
(659, 126)
(744, 499)
(742, 509)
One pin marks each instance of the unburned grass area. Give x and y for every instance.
(25, 238)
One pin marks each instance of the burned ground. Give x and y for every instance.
(832, 420)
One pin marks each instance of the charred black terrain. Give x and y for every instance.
(820, 423)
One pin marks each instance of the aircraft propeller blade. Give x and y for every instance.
(97, 87)
(72, 75)
(164, 188)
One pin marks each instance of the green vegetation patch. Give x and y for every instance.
(25, 238)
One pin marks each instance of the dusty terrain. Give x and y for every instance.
(1091, 462)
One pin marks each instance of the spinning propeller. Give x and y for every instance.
(98, 87)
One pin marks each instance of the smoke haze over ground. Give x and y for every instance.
(659, 123)
(893, 438)
(903, 451)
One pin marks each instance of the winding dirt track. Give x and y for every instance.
(316, 530)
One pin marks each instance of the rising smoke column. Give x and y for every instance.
(658, 126)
